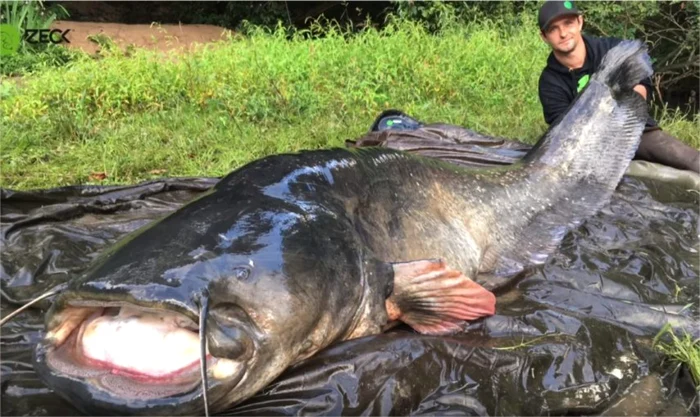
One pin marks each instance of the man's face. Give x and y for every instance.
(564, 33)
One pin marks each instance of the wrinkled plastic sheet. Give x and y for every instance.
(571, 337)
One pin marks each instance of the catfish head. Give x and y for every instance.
(270, 281)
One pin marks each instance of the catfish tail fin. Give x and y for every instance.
(573, 170)
(625, 68)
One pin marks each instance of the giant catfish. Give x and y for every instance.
(292, 253)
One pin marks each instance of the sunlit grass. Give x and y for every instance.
(132, 116)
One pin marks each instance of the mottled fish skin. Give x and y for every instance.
(295, 250)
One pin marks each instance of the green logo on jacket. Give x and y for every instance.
(582, 82)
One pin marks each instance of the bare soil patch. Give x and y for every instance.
(162, 37)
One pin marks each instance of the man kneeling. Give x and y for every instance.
(574, 58)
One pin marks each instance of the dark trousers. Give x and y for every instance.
(662, 148)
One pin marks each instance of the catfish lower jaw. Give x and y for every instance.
(73, 350)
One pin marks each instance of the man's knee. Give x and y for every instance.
(661, 147)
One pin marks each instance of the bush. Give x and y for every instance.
(32, 57)
(29, 14)
(25, 63)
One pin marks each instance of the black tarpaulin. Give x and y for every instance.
(571, 337)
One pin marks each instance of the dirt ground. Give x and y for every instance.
(157, 37)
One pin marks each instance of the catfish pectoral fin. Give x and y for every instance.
(433, 298)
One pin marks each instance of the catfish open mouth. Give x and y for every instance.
(131, 352)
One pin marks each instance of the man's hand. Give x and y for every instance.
(641, 90)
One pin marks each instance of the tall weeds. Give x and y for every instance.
(207, 112)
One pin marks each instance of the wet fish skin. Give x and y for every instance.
(296, 251)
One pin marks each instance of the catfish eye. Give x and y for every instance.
(241, 273)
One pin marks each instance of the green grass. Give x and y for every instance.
(681, 350)
(208, 112)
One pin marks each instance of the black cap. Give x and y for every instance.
(551, 10)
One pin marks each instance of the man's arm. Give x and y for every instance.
(553, 97)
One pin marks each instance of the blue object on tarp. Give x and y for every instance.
(394, 120)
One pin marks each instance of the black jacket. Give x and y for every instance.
(558, 85)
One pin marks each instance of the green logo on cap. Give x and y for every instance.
(568, 4)
(9, 39)
(582, 82)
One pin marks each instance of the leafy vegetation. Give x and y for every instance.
(671, 29)
(32, 57)
(28, 14)
(683, 350)
(210, 111)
